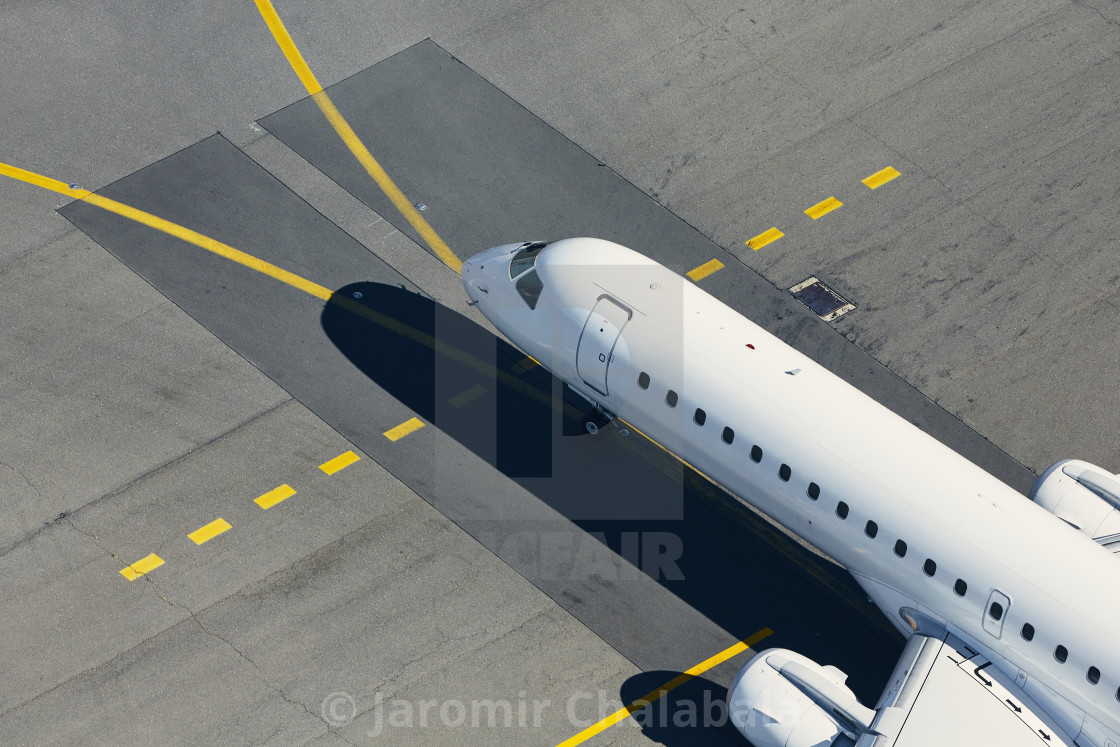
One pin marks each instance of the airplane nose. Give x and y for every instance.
(471, 277)
(484, 269)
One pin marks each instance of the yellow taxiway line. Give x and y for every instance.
(210, 531)
(351, 139)
(278, 273)
(764, 238)
(704, 270)
(881, 177)
(409, 426)
(142, 566)
(823, 207)
(340, 462)
(654, 695)
(274, 496)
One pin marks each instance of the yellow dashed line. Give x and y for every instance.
(879, 178)
(340, 462)
(705, 270)
(459, 400)
(409, 426)
(654, 695)
(210, 531)
(352, 141)
(765, 238)
(142, 566)
(274, 496)
(823, 208)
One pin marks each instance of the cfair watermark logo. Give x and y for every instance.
(579, 556)
(579, 711)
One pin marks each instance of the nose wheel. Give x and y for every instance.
(595, 420)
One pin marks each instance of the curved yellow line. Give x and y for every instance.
(352, 141)
(288, 47)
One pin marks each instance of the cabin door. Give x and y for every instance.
(996, 612)
(597, 341)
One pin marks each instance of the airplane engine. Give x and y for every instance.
(1083, 495)
(783, 699)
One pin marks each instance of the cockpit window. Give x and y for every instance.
(525, 258)
(529, 287)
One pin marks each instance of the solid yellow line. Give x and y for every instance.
(42, 181)
(765, 238)
(210, 531)
(209, 244)
(705, 270)
(388, 186)
(409, 426)
(277, 273)
(879, 178)
(142, 566)
(823, 208)
(459, 400)
(274, 496)
(173, 229)
(340, 462)
(654, 695)
(288, 47)
(352, 141)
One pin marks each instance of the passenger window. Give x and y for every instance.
(643, 380)
(671, 398)
(1093, 675)
(960, 587)
(814, 491)
(996, 610)
(1061, 654)
(728, 436)
(756, 453)
(529, 287)
(929, 567)
(784, 472)
(900, 548)
(871, 529)
(842, 510)
(700, 416)
(1027, 632)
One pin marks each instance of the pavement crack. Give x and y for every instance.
(23, 477)
(32, 534)
(134, 317)
(1098, 11)
(259, 673)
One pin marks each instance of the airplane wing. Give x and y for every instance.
(942, 693)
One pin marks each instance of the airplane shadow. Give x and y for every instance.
(695, 713)
(734, 567)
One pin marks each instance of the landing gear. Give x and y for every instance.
(595, 420)
(595, 417)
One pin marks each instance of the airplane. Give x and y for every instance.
(1009, 604)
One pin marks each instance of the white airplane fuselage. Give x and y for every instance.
(608, 320)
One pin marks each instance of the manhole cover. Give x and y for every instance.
(824, 302)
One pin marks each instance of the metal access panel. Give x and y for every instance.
(596, 342)
(825, 302)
